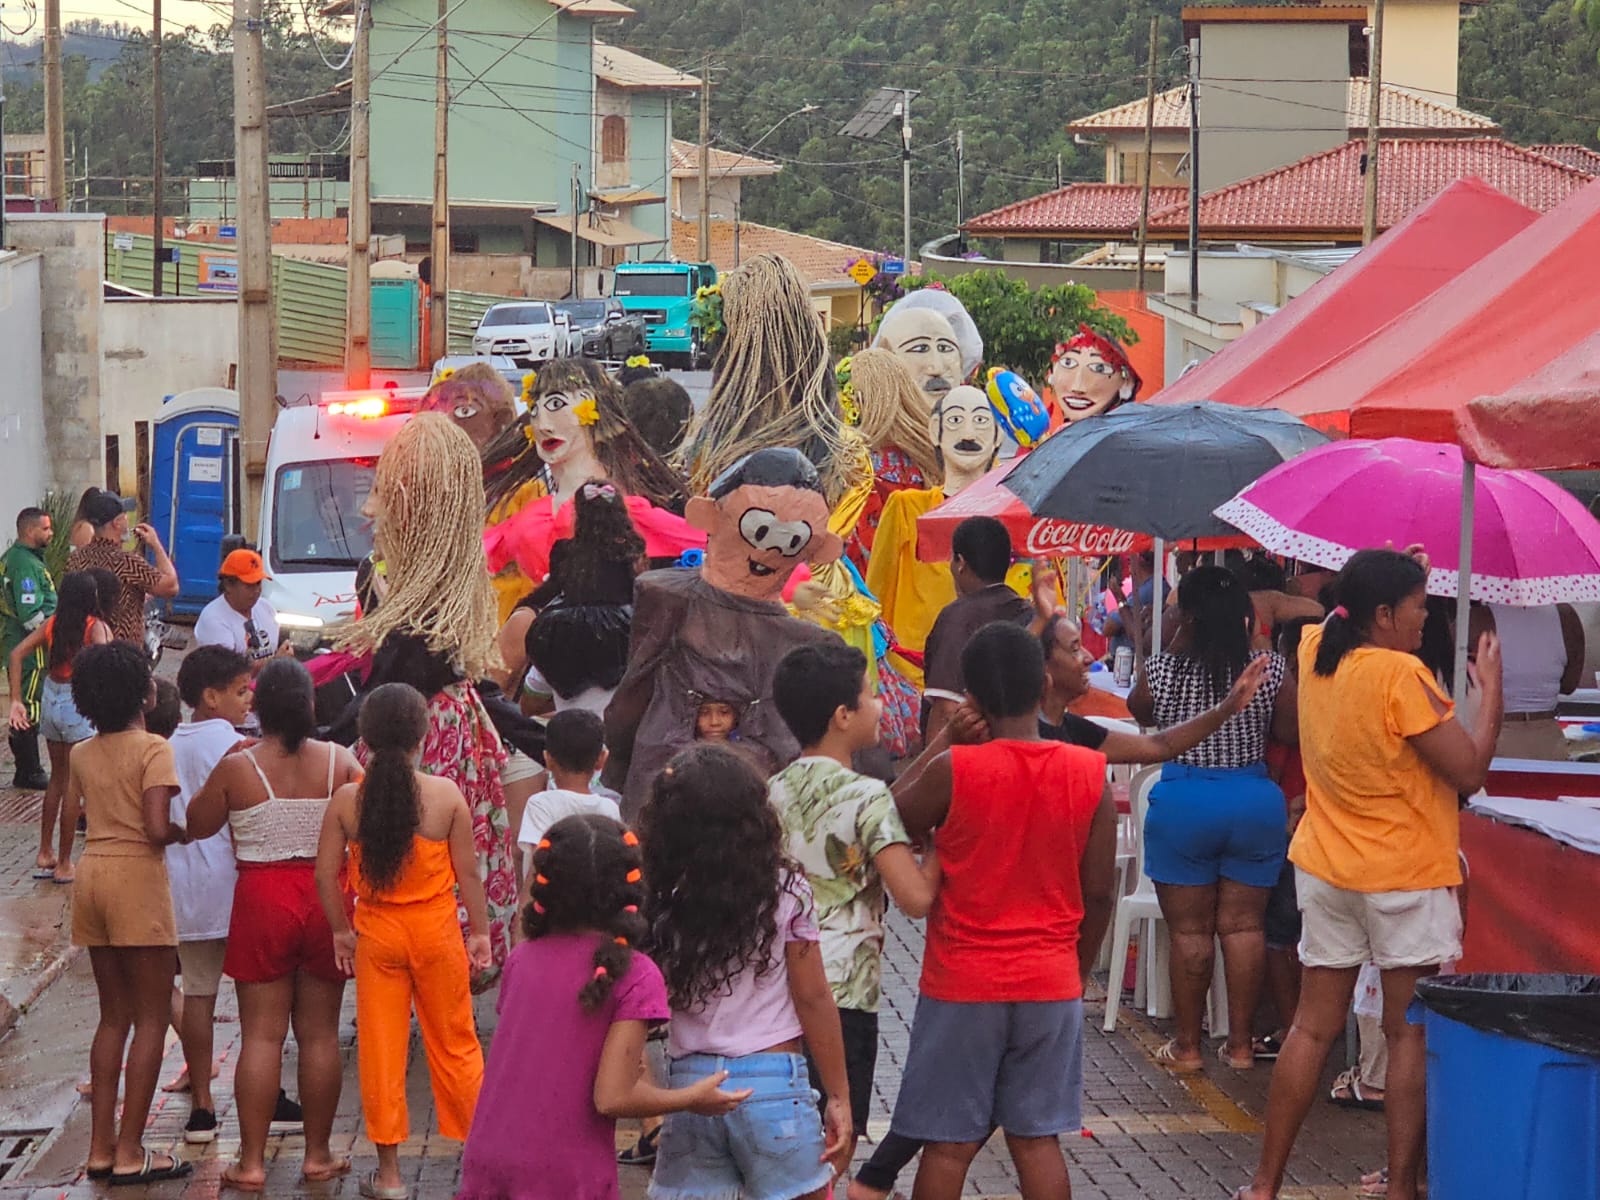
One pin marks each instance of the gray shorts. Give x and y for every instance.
(973, 1067)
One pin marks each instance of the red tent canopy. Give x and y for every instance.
(1494, 327)
(1549, 421)
(1416, 258)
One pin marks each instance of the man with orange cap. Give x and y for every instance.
(239, 618)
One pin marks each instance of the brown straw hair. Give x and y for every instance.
(774, 384)
(894, 410)
(428, 493)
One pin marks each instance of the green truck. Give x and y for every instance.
(663, 293)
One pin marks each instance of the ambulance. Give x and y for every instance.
(321, 459)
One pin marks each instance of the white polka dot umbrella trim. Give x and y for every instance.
(1488, 589)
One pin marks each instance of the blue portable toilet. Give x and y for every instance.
(396, 323)
(195, 492)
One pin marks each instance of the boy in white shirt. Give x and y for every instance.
(214, 681)
(574, 753)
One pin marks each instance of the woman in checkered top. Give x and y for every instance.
(1215, 835)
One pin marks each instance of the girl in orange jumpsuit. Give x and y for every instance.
(409, 840)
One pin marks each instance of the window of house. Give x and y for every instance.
(614, 139)
(1130, 168)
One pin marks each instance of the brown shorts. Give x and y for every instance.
(120, 901)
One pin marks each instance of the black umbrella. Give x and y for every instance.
(1155, 468)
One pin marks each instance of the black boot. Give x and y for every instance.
(30, 774)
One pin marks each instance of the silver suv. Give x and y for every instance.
(524, 331)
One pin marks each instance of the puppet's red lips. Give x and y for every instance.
(1076, 401)
(759, 570)
(551, 445)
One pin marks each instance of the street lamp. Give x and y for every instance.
(807, 107)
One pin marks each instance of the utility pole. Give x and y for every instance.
(1194, 173)
(439, 280)
(577, 205)
(258, 341)
(705, 160)
(55, 138)
(1149, 147)
(358, 297)
(1058, 173)
(961, 185)
(905, 172)
(1369, 221)
(158, 180)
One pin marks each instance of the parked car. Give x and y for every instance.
(524, 331)
(603, 328)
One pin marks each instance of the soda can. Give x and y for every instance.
(1122, 667)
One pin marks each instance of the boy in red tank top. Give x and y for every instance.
(1026, 836)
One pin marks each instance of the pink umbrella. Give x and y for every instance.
(1532, 542)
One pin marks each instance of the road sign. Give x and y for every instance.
(122, 241)
(893, 266)
(227, 232)
(862, 272)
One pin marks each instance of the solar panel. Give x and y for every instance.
(876, 113)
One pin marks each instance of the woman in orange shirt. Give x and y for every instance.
(1376, 854)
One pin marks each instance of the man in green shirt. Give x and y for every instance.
(30, 599)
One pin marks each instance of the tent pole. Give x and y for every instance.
(1157, 599)
(1469, 476)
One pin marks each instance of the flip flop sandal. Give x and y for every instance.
(643, 1152)
(150, 1173)
(1227, 1061)
(1375, 1184)
(373, 1190)
(1267, 1048)
(340, 1167)
(1167, 1056)
(97, 1173)
(44, 872)
(230, 1181)
(1346, 1093)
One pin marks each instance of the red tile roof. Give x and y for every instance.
(819, 261)
(1573, 155)
(1321, 196)
(1077, 210)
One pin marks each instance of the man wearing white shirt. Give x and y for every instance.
(239, 618)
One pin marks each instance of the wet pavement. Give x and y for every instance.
(1147, 1133)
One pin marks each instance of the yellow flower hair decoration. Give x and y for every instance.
(527, 388)
(849, 405)
(638, 360)
(587, 411)
(445, 374)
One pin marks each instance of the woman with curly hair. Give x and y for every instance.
(575, 430)
(409, 842)
(578, 641)
(575, 1006)
(733, 928)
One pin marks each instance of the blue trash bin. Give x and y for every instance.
(1511, 1118)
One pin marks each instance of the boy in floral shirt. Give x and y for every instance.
(843, 828)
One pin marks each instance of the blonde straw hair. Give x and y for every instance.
(774, 384)
(894, 410)
(428, 497)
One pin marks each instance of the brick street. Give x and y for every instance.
(1148, 1134)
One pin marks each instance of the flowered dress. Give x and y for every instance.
(462, 746)
(892, 470)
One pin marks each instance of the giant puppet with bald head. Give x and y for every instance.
(717, 633)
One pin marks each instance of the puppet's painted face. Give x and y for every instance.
(757, 535)
(967, 434)
(476, 419)
(558, 427)
(924, 341)
(1085, 383)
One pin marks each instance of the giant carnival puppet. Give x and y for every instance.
(931, 333)
(1089, 375)
(575, 431)
(715, 634)
(435, 629)
(881, 397)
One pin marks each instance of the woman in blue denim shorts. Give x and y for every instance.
(1216, 835)
(733, 929)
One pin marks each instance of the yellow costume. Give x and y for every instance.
(855, 611)
(912, 592)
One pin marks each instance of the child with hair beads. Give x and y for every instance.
(409, 838)
(733, 928)
(575, 1004)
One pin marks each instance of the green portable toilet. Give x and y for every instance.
(396, 323)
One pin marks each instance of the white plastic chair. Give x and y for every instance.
(1153, 983)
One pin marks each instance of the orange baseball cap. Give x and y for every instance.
(245, 566)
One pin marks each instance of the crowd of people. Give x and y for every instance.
(634, 743)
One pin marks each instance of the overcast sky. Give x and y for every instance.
(174, 14)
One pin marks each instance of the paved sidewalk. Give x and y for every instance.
(1148, 1134)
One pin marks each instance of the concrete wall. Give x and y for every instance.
(1422, 46)
(1248, 127)
(158, 348)
(71, 248)
(22, 428)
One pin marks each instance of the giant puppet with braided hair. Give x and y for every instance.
(435, 629)
(575, 430)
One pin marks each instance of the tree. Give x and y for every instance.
(1021, 325)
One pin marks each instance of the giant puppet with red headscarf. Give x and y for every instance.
(1090, 374)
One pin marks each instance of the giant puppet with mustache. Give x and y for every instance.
(964, 428)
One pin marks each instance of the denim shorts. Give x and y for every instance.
(59, 718)
(1208, 823)
(769, 1148)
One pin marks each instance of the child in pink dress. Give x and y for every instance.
(576, 1001)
